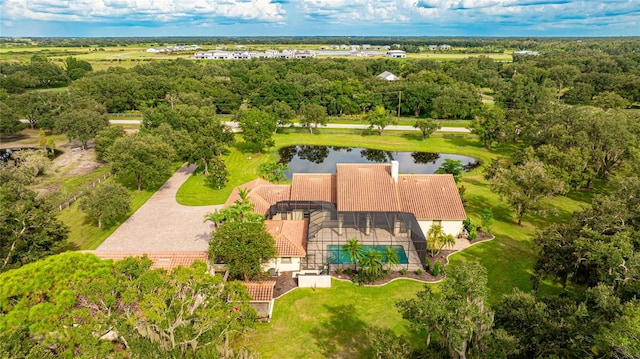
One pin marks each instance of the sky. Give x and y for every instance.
(133, 18)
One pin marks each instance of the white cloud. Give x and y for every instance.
(460, 12)
(340, 11)
(141, 10)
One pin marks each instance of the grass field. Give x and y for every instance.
(331, 323)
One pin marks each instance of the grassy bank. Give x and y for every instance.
(243, 166)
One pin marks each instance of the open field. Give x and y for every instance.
(455, 56)
(101, 58)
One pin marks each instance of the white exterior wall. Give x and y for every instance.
(294, 266)
(450, 227)
(314, 281)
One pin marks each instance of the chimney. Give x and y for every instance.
(394, 170)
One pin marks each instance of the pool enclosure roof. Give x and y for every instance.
(364, 187)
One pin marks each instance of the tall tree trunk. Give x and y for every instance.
(206, 166)
(139, 180)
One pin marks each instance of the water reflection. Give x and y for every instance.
(323, 159)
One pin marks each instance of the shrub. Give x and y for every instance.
(436, 268)
(218, 173)
(403, 271)
(473, 233)
(419, 271)
(467, 224)
(486, 219)
(349, 271)
(339, 271)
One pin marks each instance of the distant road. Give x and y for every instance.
(234, 126)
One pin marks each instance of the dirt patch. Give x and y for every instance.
(73, 162)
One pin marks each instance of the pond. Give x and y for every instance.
(323, 159)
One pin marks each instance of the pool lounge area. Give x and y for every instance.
(336, 255)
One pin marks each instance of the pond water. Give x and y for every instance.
(323, 159)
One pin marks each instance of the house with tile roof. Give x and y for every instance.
(163, 260)
(291, 244)
(373, 203)
(261, 294)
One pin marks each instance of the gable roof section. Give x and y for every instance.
(313, 187)
(388, 76)
(263, 194)
(364, 187)
(290, 237)
(432, 196)
(260, 291)
(164, 260)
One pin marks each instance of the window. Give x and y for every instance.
(285, 260)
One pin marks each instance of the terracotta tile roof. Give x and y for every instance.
(290, 237)
(263, 194)
(165, 260)
(431, 196)
(260, 291)
(366, 187)
(313, 187)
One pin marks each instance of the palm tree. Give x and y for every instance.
(243, 206)
(391, 257)
(217, 217)
(355, 250)
(438, 239)
(371, 263)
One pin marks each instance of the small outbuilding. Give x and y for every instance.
(388, 76)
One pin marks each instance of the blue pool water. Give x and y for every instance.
(335, 254)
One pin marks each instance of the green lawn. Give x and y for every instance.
(331, 323)
(242, 167)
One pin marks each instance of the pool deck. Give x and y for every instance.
(317, 248)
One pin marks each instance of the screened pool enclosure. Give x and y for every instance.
(330, 229)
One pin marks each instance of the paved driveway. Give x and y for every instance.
(163, 225)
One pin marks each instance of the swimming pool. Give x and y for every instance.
(335, 254)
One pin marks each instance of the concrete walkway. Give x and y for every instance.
(235, 128)
(163, 225)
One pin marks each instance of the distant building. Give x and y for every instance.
(388, 76)
(155, 50)
(396, 54)
(433, 47)
(366, 46)
(445, 47)
(527, 53)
